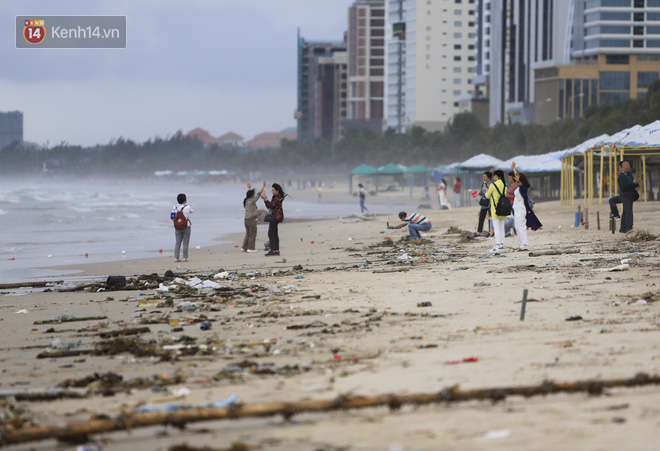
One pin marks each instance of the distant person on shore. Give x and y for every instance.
(457, 192)
(523, 213)
(627, 194)
(251, 216)
(363, 195)
(427, 196)
(180, 215)
(442, 195)
(275, 205)
(483, 200)
(495, 191)
(416, 223)
(319, 192)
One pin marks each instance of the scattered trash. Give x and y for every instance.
(481, 284)
(622, 267)
(21, 312)
(574, 318)
(424, 304)
(205, 325)
(470, 359)
(499, 433)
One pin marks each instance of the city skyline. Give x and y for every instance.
(222, 66)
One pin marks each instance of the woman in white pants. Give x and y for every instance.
(522, 211)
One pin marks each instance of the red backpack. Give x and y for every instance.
(180, 221)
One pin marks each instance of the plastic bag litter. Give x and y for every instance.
(65, 317)
(221, 275)
(194, 282)
(403, 257)
(233, 399)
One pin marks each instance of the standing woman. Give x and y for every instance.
(275, 206)
(495, 191)
(180, 215)
(523, 214)
(251, 215)
(442, 195)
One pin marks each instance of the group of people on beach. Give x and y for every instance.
(493, 187)
(274, 217)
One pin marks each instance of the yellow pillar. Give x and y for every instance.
(644, 175)
(600, 188)
(572, 185)
(562, 182)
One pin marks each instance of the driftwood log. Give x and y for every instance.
(180, 418)
(34, 284)
(554, 252)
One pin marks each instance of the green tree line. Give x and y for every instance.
(463, 138)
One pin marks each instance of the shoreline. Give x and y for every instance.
(340, 317)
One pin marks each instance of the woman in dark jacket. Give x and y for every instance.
(275, 206)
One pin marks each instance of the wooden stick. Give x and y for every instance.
(4, 286)
(180, 418)
(44, 395)
(554, 252)
(124, 332)
(598, 219)
(69, 320)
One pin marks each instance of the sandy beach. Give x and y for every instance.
(336, 315)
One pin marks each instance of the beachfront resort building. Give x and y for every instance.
(430, 61)
(366, 65)
(11, 128)
(312, 79)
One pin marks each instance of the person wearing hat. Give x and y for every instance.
(363, 194)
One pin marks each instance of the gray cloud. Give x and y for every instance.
(232, 59)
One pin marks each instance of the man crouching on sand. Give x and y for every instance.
(416, 223)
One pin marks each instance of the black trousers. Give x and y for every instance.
(613, 209)
(627, 199)
(273, 236)
(482, 217)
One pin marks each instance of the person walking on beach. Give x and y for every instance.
(180, 215)
(363, 195)
(495, 191)
(442, 195)
(457, 192)
(628, 194)
(251, 215)
(275, 206)
(523, 213)
(483, 200)
(416, 223)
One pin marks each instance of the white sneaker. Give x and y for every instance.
(252, 250)
(497, 248)
(243, 249)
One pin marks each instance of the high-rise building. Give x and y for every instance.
(614, 51)
(430, 61)
(331, 96)
(11, 127)
(524, 35)
(366, 64)
(309, 53)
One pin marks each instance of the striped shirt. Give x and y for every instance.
(416, 218)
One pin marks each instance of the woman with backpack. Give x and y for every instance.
(251, 215)
(496, 190)
(523, 214)
(275, 216)
(180, 215)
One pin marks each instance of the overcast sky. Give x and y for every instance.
(223, 65)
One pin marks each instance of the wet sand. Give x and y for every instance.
(347, 324)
